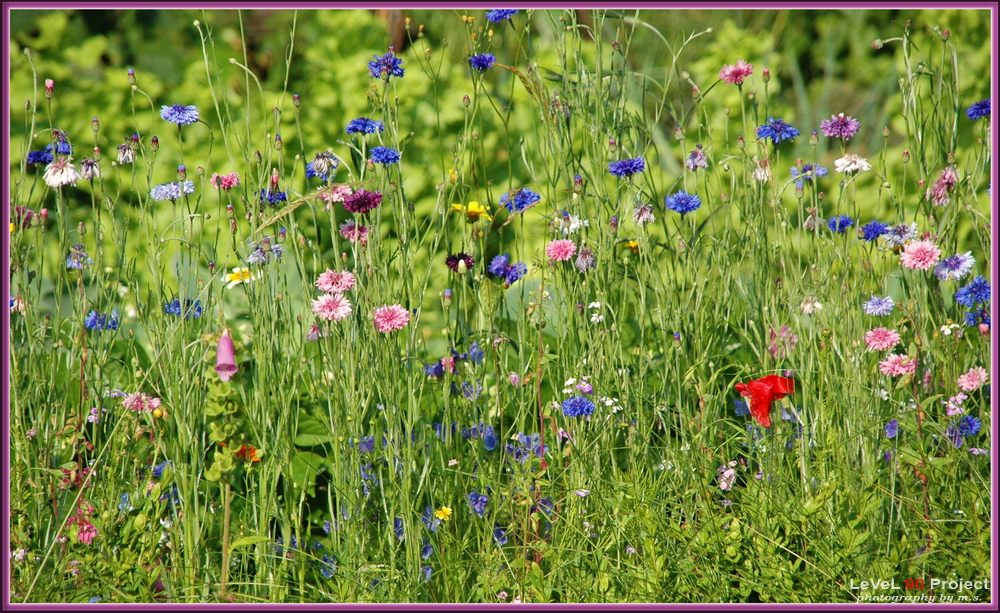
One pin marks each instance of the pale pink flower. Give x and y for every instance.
(642, 214)
(898, 364)
(881, 339)
(734, 75)
(974, 379)
(337, 194)
(354, 232)
(141, 403)
(920, 255)
(334, 282)
(727, 475)
(514, 378)
(943, 187)
(87, 532)
(390, 318)
(225, 182)
(811, 305)
(560, 250)
(225, 357)
(60, 172)
(332, 307)
(851, 163)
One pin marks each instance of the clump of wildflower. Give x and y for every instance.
(460, 263)
(777, 130)
(734, 74)
(332, 307)
(955, 267)
(782, 342)
(77, 258)
(498, 15)
(364, 125)
(577, 406)
(900, 234)
(979, 110)
(192, 308)
(898, 364)
(141, 403)
(60, 172)
(225, 182)
(839, 126)
(945, 184)
(385, 156)
(501, 267)
(627, 168)
(839, 223)
(872, 230)
(682, 202)
(98, 322)
(519, 200)
(963, 428)
(362, 201)
(172, 191)
(180, 114)
(560, 250)
(920, 255)
(390, 318)
(727, 476)
(472, 211)
(977, 291)
(851, 163)
(881, 339)
(335, 282)
(974, 379)
(263, 250)
(806, 172)
(477, 503)
(696, 159)
(386, 66)
(483, 61)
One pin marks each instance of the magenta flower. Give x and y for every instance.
(225, 357)
(141, 403)
(332, 307)
(881, 339)
(897, 364)
(335, 282)
(390, 318)
(734, 75)
(354, 232)
(839, 126)
(561, 250)
(225, 182)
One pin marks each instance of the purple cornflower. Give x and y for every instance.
(171, 191)
(77, 258)
(386, 66)
(839, 126)
(879, 306)
(954, 267)
(460, 263)
(483, 61)
(510, 273)
(576, 406)
(682, 202)
(806, 173)
(696, 160)
(362, 201)
(95, 321)
(892, 428)
(477, 503)
(627, 168)
(872, 230)
(839, 223)
(180, 114)
(322, 164)
(978, 290)
(900, 234)
(642, 214)
(498, 15)
(585, 260)
(979, 110)
(191, 308)
(385, 155)
(499, 535)
(777, 130)
(364, 125)
(519, 200)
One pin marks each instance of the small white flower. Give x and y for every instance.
(596, 318)
(60, 172)
(594, 305)
(19, 554)
(852, 163)
(239, 275)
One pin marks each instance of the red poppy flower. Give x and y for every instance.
(763, 392)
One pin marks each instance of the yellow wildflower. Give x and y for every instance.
(473, 211)
(444, 513)
(239, 275)
(633, 245)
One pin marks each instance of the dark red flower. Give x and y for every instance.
(763, 392)
(362, 201)
(453, 261)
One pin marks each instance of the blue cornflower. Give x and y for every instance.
(806, 173)
(77, 258)
(482, 61)
(975, 292)
(385, 155)
(968, 426)
(191, 309)
(172, 191)
(777, 130)
(892, 428)
(627, 168)
(40, 157)
(741, 408)
(499, 535)
(839, 223)
(489, 438)
(386, 66)
(873, 229)
(955, 267)
(322, 164)
(477, 502)
(522, 199)
(498, 15)
(96, 321)
(426, 571)
(62, 145)
(978, 316)
(979, 110)
(577, 406)
(682, 202)
(327, 527)
(508, 272)
(180, 114)
(272, 197)
(364, 125)
(435, 370)
(879, 306)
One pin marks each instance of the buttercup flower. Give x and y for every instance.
(390, 318)
(444, 513)
(473, 211)
(762, 394)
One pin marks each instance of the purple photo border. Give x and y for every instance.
(5, 282)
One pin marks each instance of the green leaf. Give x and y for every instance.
(247, 540)
(305, 466)
(311, 431)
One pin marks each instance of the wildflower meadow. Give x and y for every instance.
(500, 306)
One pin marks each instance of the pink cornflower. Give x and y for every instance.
(334, 282)
(390, 318)
(337, 194)
(898, 364)
(943, 186)
(354, 232)
(225, 182)
(920, 255)
(881, 339)
(974, 379)
(642, 214)
(60, 172)
(141, 403)
(560, 250)
(734, 75)
(332, 307)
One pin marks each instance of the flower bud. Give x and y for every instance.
(95, 125)
(678, 133)
(466, 101)
(135, 140)
(155, 144)
(49, 85)
(182, 172)
(885, 131)
(767, 75)
(131, 76)
(82, 229)
(427, 52)
(296, 100)
(727, 110)
(945, 35)
(614, 223)
(877, 44)
(906, 156)
(612, 145)
(740, 143)
(447, 297)
(277, 142)
(282, 233)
